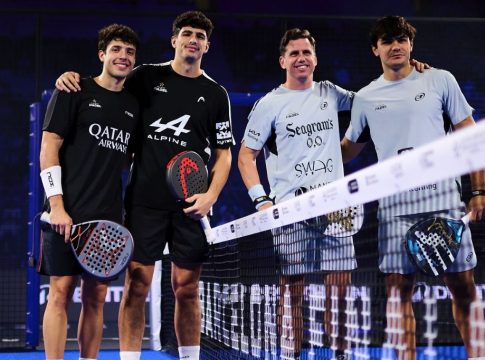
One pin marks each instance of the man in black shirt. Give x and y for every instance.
(85, 142)
(182, 109)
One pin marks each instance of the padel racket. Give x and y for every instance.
(432, 244)
(187, 176)
(318, 224)
(103, 248)
(345, 222)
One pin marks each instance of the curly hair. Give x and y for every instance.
(117, 32)
(194, 19)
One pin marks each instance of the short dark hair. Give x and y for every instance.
(391, 27)
(295, 34)
(117, 32)
(194, 19)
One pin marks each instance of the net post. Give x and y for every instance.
(33, 283)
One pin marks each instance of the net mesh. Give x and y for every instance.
(275, 285)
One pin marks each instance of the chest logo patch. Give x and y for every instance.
(160, 88)
(177, 125)
(419, 97)
(95, 104)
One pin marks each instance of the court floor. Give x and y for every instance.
(74, 355)
(442, 353)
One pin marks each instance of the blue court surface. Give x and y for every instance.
(74, 355)
(442, 352)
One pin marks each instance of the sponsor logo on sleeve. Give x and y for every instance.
(223, 134)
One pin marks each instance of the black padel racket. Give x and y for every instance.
(103, 248)
(432, 244)
(187, 176)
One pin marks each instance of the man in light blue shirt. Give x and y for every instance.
(297, 126)
(403, 109)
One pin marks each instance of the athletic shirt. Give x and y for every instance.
(402, 115)
(178, 113)
(299, 132)
(97, 126)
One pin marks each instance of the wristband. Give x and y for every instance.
(258, 196)
(260, 201)
(256, 191)
(478, 192)
(51, 180)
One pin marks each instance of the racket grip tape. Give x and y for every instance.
(206, 226)
(204, 222)
(45, 217)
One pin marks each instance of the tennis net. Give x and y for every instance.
(272, 285)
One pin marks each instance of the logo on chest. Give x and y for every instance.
(160, 88)
(110, 137)
(291, 114)
(177, 126)
(419, 97)
(95, 104)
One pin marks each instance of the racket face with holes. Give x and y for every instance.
(187, 175)
(345, 222)
(433, 244)
(102, 248)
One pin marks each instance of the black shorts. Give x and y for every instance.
(56, 257)
(153, 228)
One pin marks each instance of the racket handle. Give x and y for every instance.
(204, 222)
(45, 217)
(466, 218)
(206, 226)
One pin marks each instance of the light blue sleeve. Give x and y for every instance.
(358, 119)
(344, 98)
(259, 127)
(454, 102)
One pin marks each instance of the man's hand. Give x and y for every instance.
(265, 206)
(477, 207)
(419, 66)
(61, 222)
(69, 81)
(201, 207)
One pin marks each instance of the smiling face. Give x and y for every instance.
(299, 61)
(118, 59)
(190, 44)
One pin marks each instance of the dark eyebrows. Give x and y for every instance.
(400, 37)
(200, 34)
(304, 51)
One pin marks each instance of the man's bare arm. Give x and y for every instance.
(49, 156)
